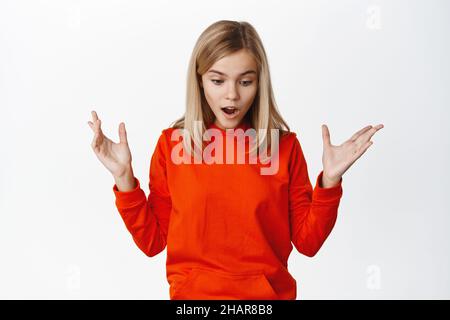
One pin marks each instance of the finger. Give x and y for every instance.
(362, 139)
(98, 125)
(325, 135)
(91, 125)
(379, 126)
(94, 115)
(357, 153)
(360, 132)
(94, 142)
(363, 149)
(122, 133)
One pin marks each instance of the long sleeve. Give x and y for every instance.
(312, 213)
(147, 220)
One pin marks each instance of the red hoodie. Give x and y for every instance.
(229, 229)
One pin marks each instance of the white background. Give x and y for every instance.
(344, 63)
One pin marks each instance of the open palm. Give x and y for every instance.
(337, 159)
(116, 157)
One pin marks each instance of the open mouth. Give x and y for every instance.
(230, 110)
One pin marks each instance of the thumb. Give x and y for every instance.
(122, 133)
(325, 135)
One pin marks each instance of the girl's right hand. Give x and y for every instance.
(116, 157)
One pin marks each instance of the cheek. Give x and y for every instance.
(250, 95)
(207, 92)
(211, 94)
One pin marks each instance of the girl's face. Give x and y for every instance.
(231, 82)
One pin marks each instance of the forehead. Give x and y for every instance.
(235, 64)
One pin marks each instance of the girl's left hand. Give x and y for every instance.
(337, 159)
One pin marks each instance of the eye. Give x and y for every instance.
(219, 81)
(247, 83)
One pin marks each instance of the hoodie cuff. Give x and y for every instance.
(130, 198)
(327, 195)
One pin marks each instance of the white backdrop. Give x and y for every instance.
(344, 63)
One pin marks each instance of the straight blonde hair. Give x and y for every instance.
(220, 39)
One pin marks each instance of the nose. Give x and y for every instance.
(232, 93)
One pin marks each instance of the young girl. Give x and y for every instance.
(229, 227)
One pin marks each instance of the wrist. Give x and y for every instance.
(126, 173)
(125, 181)
(329, 182)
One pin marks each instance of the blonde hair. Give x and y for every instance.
(220, 39)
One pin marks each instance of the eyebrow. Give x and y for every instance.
(223, 74)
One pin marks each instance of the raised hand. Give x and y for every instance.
(116, 157)
(337, 159)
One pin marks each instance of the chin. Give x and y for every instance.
(229, 123)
